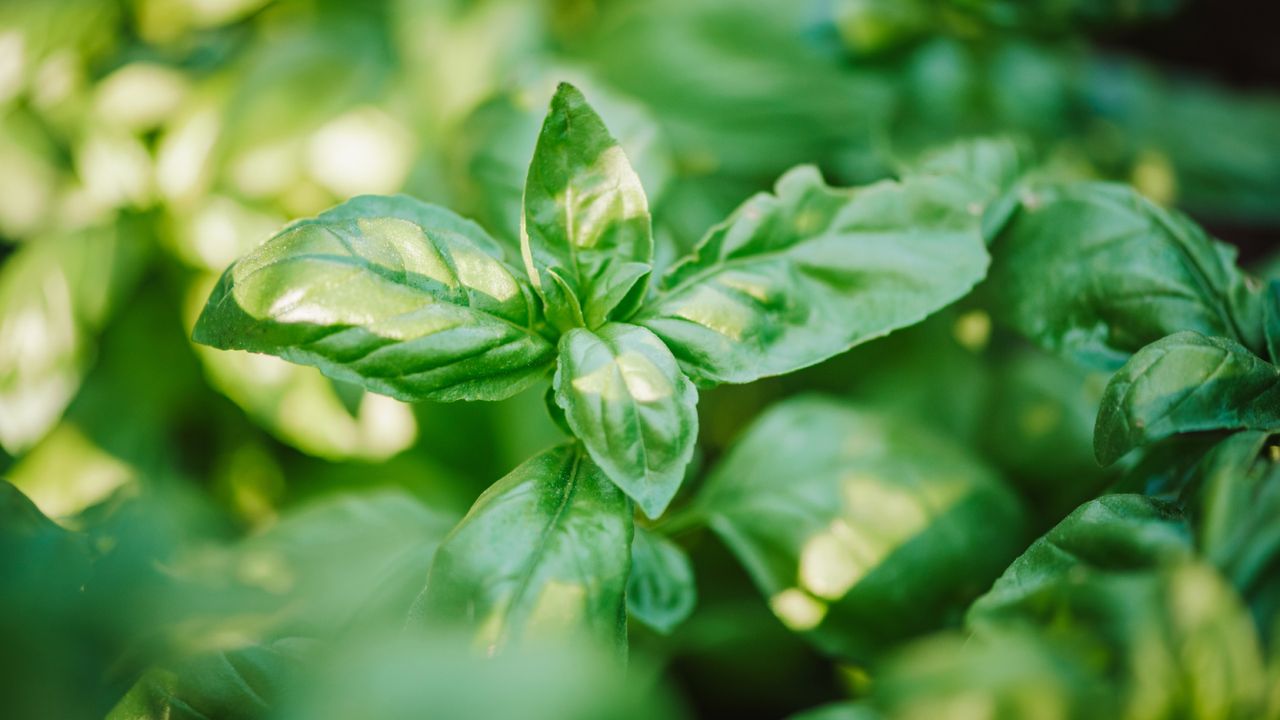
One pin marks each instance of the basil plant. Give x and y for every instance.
(413, 301)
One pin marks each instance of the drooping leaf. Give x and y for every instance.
(1185, 383)
(416, 312)
(544, 551)
(793, 278)
(860, 530)
(1111, 533)
(586, 217)
(1096, 271)
(634, 410)
(660, 590)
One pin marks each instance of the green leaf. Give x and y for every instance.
(626, 399)
(377, 541)
(995, 165)
(586, 217)
(396, 676)
(417, 312)
(1112, 533)
(1185, 383)
(299, 405)
(660, 590)
(860, 530)
(56, 293)
(1005, 673)
(544, 551)
(1271, 319)
(1096, 271)
(1234, 513)
(242, 683)
(792, 279)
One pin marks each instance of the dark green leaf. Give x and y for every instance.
(1096, 271)
(544, 551)
(660, 591)
(242, 684)
(586, 217)
(1271, 319)
(412, 311)
(791, 279)
(1112, 533)
(1185, 383)
(633, 409)
(860, 530)
(1234, 513)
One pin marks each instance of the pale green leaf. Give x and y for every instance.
(586, 216)
(626, 399)
(412, 311)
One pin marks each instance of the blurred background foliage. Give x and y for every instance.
(226, 510)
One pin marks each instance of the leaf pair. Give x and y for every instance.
(410, 300)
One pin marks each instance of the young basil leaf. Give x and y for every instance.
(544, 551)
(792, 279)
(1096, 271)
(626, 399)
(1185, 383)
(586, 217)
(860, 530)
(660, 591)
(412, 311)
(1111, 533)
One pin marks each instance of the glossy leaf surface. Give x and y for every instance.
(1185, 383)
(544, 551)
(1111, 533)
(586, 217)
(792, 278)
(627, 400)
(1096, 271)
(412, 311)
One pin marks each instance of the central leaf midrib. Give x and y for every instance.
(535, 558)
